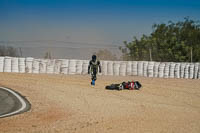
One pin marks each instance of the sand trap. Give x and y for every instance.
(62, 103)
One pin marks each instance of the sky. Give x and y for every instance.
(94, 22)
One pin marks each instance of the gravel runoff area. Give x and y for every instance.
(68, 104)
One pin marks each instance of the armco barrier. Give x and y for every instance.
(122, 68)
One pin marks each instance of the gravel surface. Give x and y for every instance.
(68, 104)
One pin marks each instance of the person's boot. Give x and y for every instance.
(93, 82)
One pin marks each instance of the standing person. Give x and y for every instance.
(93, 67)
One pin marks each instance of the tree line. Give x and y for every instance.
(178, 42)
(9, 51)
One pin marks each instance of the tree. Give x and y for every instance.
(8, 51)
(48, 55)
(137, 49)
(168, 42)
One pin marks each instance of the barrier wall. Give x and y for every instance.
(116, 68)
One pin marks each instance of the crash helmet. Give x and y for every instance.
(94, 57)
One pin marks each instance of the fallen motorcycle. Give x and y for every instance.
(130, 85)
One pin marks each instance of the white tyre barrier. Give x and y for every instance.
(57, 66)
(101, 69)
(134, 68)
(172, 70)
(140, 68)
(166, 70)
(72, 66)
(64, 66)
(116, 67)
(177, 70)
(43, 66)
(145, 66)
(182, 71)
(161, 70)
(186, 71)
(29, 65)
(150, 69)
(79, 66)
(36, 66)
(7, 64)
(14, 65)
(50, 66)
(110, 68)
(198, 77)
(85, 67)
(122, 69)
(22, 65)
(129, 68)
(191, 71)
(104, 67)
(155, 69)
(196, 69)
(1, 64)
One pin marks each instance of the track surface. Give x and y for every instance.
(11, 103)
(63, 103)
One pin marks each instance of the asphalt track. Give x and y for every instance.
(12, 103)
